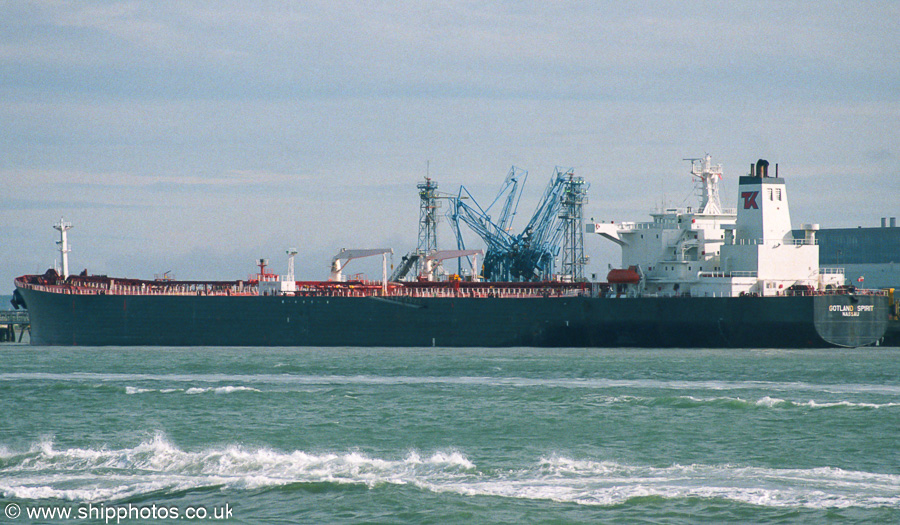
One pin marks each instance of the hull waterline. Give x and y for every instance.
(579, 321)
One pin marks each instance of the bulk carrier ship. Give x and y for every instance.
(709, 277)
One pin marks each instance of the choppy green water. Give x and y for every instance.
(429, 435)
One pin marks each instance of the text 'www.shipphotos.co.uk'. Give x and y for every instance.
(116, 513)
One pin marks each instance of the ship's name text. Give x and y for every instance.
(849, 310)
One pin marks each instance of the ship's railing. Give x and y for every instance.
(365, 289)
(134, 290)
(627, 226)
(801, 242)
(728, 274)
(836, 291)
(636, 225)
(772, 242)
(668, 221)
(822, 271)
(521, 293)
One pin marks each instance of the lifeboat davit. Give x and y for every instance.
(623, 276)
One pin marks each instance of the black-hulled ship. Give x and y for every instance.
(709, 277)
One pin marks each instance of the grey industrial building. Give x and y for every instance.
(870, 254)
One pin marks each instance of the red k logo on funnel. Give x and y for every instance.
(750, 199)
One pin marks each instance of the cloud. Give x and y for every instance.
(193, 50)
(15, 204)
(235, 127)
(236, 179)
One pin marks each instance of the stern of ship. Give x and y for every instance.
(851, 320)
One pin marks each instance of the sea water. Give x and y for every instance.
(437, 435)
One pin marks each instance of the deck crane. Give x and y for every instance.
(499, 242)
(530, 255)
(434, 260)
(429, 202)
(541, 239)
(536, 249)
(345, 255)
(495, 235)
(514, 195)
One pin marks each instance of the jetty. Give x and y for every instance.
(12, 321)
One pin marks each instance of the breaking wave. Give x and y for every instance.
(157, 467)
(131, 390)
(221, 390)
(722, 394)
(763, 402)
(489, 381)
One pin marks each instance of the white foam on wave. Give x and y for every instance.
(131, 390)
(610, 483)
(449, 459)
(102, 474)
(221, 389)
(849, 404)
(770, 402)
(766, 401)
(498, 381)
(731, 401)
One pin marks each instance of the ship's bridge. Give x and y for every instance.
(677, 243)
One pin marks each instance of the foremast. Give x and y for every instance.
(63, 226)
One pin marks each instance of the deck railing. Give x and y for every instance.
(728, 274)
(361, 289)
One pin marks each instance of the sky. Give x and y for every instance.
(197, 137)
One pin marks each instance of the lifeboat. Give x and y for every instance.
(624, 276)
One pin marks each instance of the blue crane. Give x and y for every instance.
(496, 236)
(530, 255)
(539, 242)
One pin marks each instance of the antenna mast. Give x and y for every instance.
(63, 226)
(709, 177)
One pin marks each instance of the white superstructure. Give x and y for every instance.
(718, 252)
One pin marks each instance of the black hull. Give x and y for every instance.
(170, 320)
